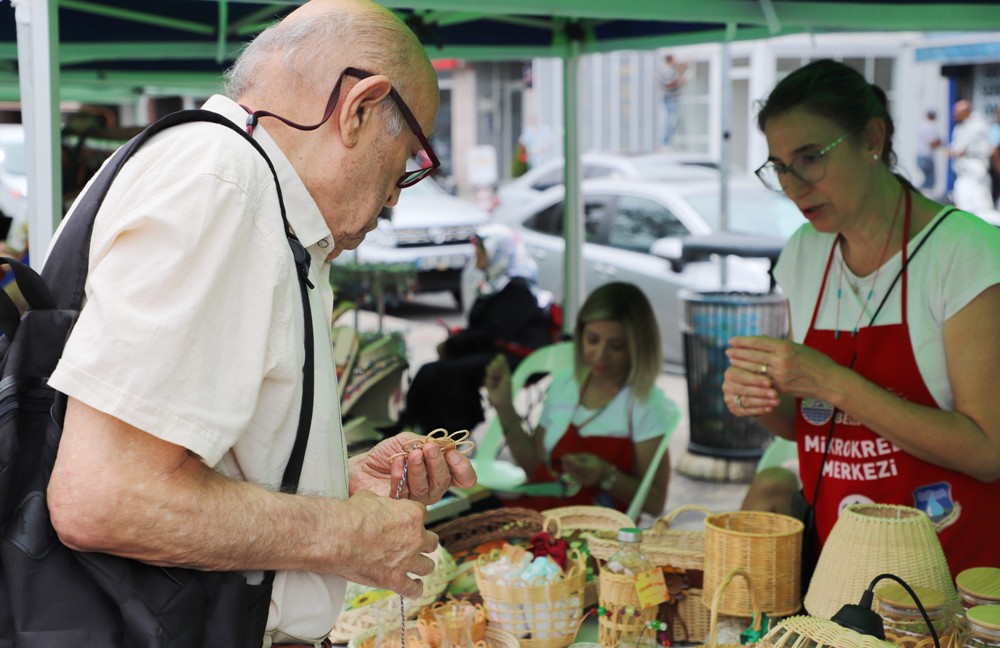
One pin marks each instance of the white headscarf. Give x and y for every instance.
(506, 258)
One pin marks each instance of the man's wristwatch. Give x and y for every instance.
(609, 480)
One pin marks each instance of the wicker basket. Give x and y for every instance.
(680, 549)
(586, 523)
(543, 615)
(495, 638)
(820, 633)
(505, 523)
(768, 546)
(622, 621)
(352, 621)
(720, 592)
(430, 631)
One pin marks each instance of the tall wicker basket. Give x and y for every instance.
(622, 621)
(678, 549)
(768, 546)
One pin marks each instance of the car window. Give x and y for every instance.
(762, 212)
(597, 212)
(547, 180)
(598, 171)
(638, 222)
(547, 221)
(12, 158)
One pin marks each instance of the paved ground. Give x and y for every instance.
(423, 337)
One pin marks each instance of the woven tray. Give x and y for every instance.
(713, 633)
(661, 544)
(470, 531)
(768, 546)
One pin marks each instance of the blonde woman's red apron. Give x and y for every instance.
(864, 467)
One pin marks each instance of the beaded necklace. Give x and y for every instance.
(878, 270)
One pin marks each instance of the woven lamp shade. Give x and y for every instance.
(873, 539)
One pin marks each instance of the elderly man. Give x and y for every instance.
(184, 372)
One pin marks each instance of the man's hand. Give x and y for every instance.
(430, 472)
(386, 544)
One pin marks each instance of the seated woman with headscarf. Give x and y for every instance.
(505, 317)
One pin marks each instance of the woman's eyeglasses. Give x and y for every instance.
(408, 179)
(809, 168)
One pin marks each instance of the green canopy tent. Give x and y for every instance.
(108, 49)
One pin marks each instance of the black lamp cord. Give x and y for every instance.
(866, 602)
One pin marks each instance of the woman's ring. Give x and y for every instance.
(738, 402)
(763, 369)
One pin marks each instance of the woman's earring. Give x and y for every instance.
(875, 156)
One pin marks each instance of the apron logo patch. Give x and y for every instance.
(936, 501)
(816, 412)
(856, 498)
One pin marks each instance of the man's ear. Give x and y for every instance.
(359, 104)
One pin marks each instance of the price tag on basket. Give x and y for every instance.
(651, 588)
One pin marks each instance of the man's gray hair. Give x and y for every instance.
(315, 49)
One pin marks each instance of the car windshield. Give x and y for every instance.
(754, 212)
(12, 157)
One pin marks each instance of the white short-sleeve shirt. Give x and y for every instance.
(193, 325)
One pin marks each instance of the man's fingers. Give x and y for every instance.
(429, 542)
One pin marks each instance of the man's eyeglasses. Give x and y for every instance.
(408, 179)
(809, 168)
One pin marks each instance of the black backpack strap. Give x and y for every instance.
(67, 264)
(33, 289)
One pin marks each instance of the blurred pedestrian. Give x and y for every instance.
(995, 156)
(928, 141)
(970, 153)
(673, 77)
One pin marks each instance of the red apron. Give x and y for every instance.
(864, 467)
(616, 450)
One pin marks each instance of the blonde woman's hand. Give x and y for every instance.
(586, 469)
(497, 381)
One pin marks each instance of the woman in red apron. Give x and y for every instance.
(888, 385)
(603, 418)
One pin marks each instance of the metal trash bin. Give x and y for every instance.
(710, 320)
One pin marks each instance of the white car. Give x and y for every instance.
(515, 195)
(430, 230)
(13, 185)
(635, 232)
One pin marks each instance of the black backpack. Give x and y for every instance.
(54, 597)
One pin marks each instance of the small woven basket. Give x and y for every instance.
(430, 631)
(755, 609)
(542, 614)
(768, 546)
(798, 631)
(495, 638)
(623, 621)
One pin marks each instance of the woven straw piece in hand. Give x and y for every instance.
(755, 609)
(768, 546)
(803, 631)
(872, 539)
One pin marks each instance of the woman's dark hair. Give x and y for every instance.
(835, 91)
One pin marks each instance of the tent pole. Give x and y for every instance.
(573, 284)
(38, 55)
(726, 98)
